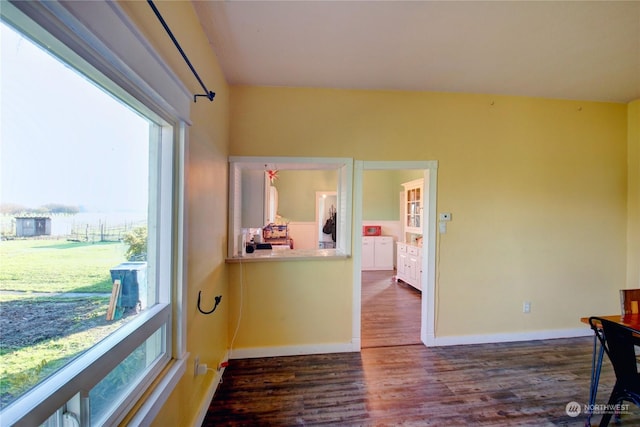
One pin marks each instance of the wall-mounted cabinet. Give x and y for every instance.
(413, 206)
(377, 253)
(409, 264)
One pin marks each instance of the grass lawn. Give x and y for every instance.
(39, 333)
(55, 331)
(58, 265)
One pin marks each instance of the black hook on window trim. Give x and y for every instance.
(218, 299)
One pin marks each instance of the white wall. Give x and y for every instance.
(303, 234)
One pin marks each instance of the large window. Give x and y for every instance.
(88, 228)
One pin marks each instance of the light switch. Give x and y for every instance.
(442, 226)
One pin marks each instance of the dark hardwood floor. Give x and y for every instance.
(396, 381)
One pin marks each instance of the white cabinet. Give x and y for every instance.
(368, 253)
(377, 253)
(401, 263)
(413, 206)
(409, 264)
(383, 254)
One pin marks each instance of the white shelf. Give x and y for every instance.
(413, 206)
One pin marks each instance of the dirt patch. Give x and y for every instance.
(25, 322)
(39, 335)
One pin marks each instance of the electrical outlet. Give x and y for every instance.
(202, 369)
(196, 363)
(526, 307)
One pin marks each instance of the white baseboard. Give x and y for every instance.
(255, 352)
(356, 345)
(297, 350)
(511, 337)
(213, 386)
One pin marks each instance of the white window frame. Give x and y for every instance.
(98, 35)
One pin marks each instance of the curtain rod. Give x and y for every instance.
(208, 94)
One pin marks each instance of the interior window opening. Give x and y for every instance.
(275, 211)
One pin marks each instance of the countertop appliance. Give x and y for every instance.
(371, 230)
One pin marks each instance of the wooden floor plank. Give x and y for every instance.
(396, 382)
(390, 311)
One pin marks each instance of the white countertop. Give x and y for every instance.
(409, 244)
(288, 255)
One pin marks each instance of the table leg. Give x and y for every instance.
(596, 366)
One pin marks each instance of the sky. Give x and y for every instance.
(62, 139)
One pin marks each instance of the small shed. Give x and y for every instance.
(33, 226)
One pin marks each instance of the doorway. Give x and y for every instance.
(326, 205)
(427, 257)
(390, 311)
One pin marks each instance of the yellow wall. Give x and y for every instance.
(537, 189)
(207, 195)
(633, 202)
(297, 192)
(291, 303)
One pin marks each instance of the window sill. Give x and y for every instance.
(266, 255)
(147, 412)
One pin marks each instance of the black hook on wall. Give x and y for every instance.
(218, 299)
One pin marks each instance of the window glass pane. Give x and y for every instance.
(74, 208)
(117, 384)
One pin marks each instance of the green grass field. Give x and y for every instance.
(39, 333)
(58, 265)
(56, 331)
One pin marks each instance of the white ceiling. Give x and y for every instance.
(569, 50)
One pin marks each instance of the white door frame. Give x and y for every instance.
(428, 314)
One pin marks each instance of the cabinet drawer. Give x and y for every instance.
(384, 240)
(402, 247)
(412, 250)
